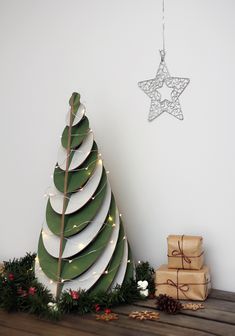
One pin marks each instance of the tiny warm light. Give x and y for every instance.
(111, 241)
(62, 280)
(124, 237)
(70, 261)
(113, 225)
(81, 189)
(139, 262)
(100, 161)
(74, 226)
(128, 261)
(110, 218)
(120, 215)
(51, 282)
(93, 198)
(86, 168)
(94, 273)
(106, 272)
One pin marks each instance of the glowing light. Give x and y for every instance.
(120, 215)
(51, 282)
(128, 261)
(106, 272)
(93, 198)
(100, 161)
(62, 280)
(113, 225)
(86, 168)
(107, 171)
(124, 237)
(111, 241)
(70, 261)
(110, 218)
(74, 226)
(139, 262)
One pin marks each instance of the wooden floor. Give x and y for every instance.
(218, 318)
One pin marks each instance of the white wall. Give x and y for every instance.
(168, 176)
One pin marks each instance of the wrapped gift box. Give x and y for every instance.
(185, 252)
(183, 284)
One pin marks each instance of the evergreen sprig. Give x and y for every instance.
(20, 291)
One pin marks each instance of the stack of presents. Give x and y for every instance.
(185, 277)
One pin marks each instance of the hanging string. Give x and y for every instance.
(163, 25)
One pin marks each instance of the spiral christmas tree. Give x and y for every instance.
(82, 245)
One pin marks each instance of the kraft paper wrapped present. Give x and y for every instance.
(185, 252)
(183, 284)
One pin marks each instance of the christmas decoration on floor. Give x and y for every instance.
(181, 283)
(192, 306)
(167, 304)
(21, 291)
(82, 244)
(163, 84)
(144, 315)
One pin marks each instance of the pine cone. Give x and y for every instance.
(168, 304)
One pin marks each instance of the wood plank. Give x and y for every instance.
(191, 322)
(222, 295)
(20, 322)
(10, 331)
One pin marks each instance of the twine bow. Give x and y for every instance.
(183, 288)
(180, 253)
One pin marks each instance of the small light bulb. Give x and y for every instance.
(106, 272)
(120, 215)
(70, 261)
(81, 189)
(51, 282)
(111, 241)
(62, 280)
(110, 218)
(113, 225)
(86, 168)
(74, 226)
(124, 237)
(100, 161)
(139, 262)
(128, 261)
(93, 198)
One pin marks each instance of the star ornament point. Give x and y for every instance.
(161, 102)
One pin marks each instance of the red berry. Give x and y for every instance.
(107, 311)
(11, 276)
(32, 290)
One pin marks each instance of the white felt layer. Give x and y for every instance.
(80, 198)
(78, 117)
(79, 156)
(118, 280)
(42, 278)
(89, 278)
(78, 242)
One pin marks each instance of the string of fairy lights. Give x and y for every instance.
(109, 219)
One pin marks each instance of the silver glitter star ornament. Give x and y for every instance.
(153, 88)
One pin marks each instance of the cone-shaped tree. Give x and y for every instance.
(82, 244)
